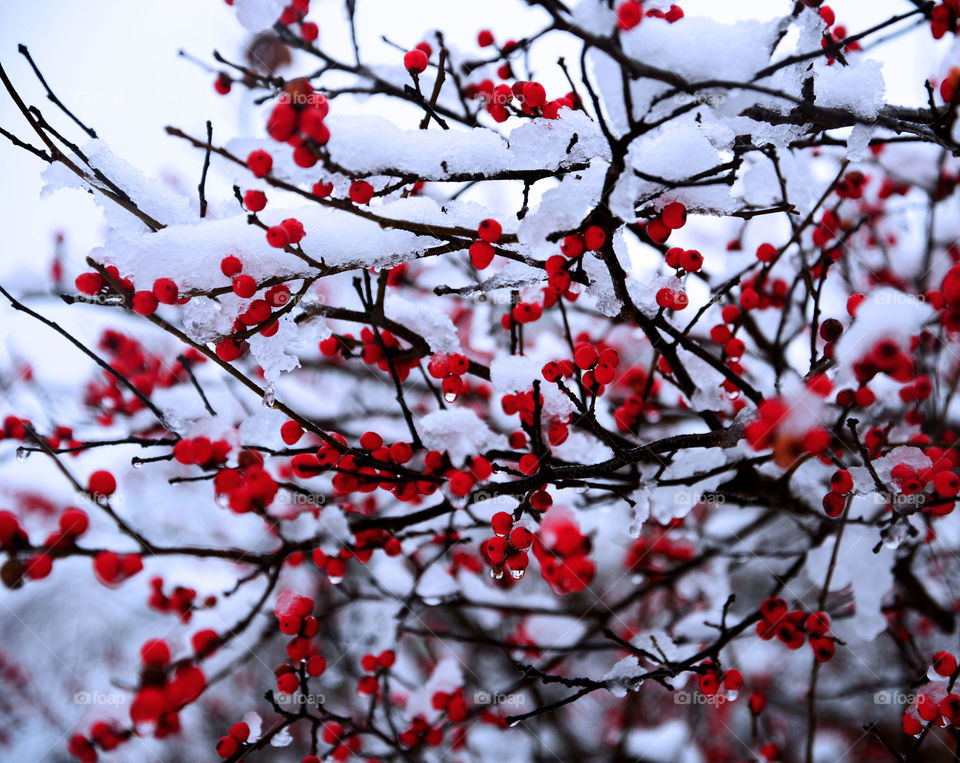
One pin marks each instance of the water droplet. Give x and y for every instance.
(269, 397)
(450, 397)
(496, 573)
(517, 574)
(732, 695)
(635, 528)
(22, 454)
(335, 579)
(136, 462)
(223, 500)
(893, 536)
(514, 724)
(733, 395)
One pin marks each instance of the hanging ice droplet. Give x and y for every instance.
(496, 573)
(269, 397)
(223, 500)
(634, 529)
(893, 536)
(335, 579)
(517, 574)
(450, 397)
(23, 454)
(733, 395)
(514, 724)
(136, 462)
(732, 695)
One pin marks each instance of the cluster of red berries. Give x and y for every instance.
(482, 251)
(759, 293)
(419, 732)
(563, 554)
(245, 286)
(143, 369)
(234, 741)
(416, 61)
(950, 86)
(452, 704)
(630, 14)
(288, 232)
(559, 281)
(201, 451)
(374, 665)
(181, 601)
(841, 485)
(450, 369)
(643, 395)
(656, 551)
(672, 217)
(72, 524)
(294, 618)
(297, 119)
(713, 679)
(164, 292)
(943, 667)
(294, 13)
(766, 431)
(371, 352)
(246, 487)
(835, 35)
(93, 283)
(103, 735)
(950, 297)
(945, 17)
(793, 628)
(506, 551)
(112, 569)
(346, 745)
(161, 695)
(689, 260)
(521, 98)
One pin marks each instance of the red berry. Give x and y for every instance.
(674, 215)
(101, 483)
(144, 303)
(481, 254)
(255, 200)
(230, 266)
(165, 290)
(594, 238)
(415, 61)
(244, 286)
(277, 237)
(260, 163)
(766, 252)
(489, 230)
(361, 192)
